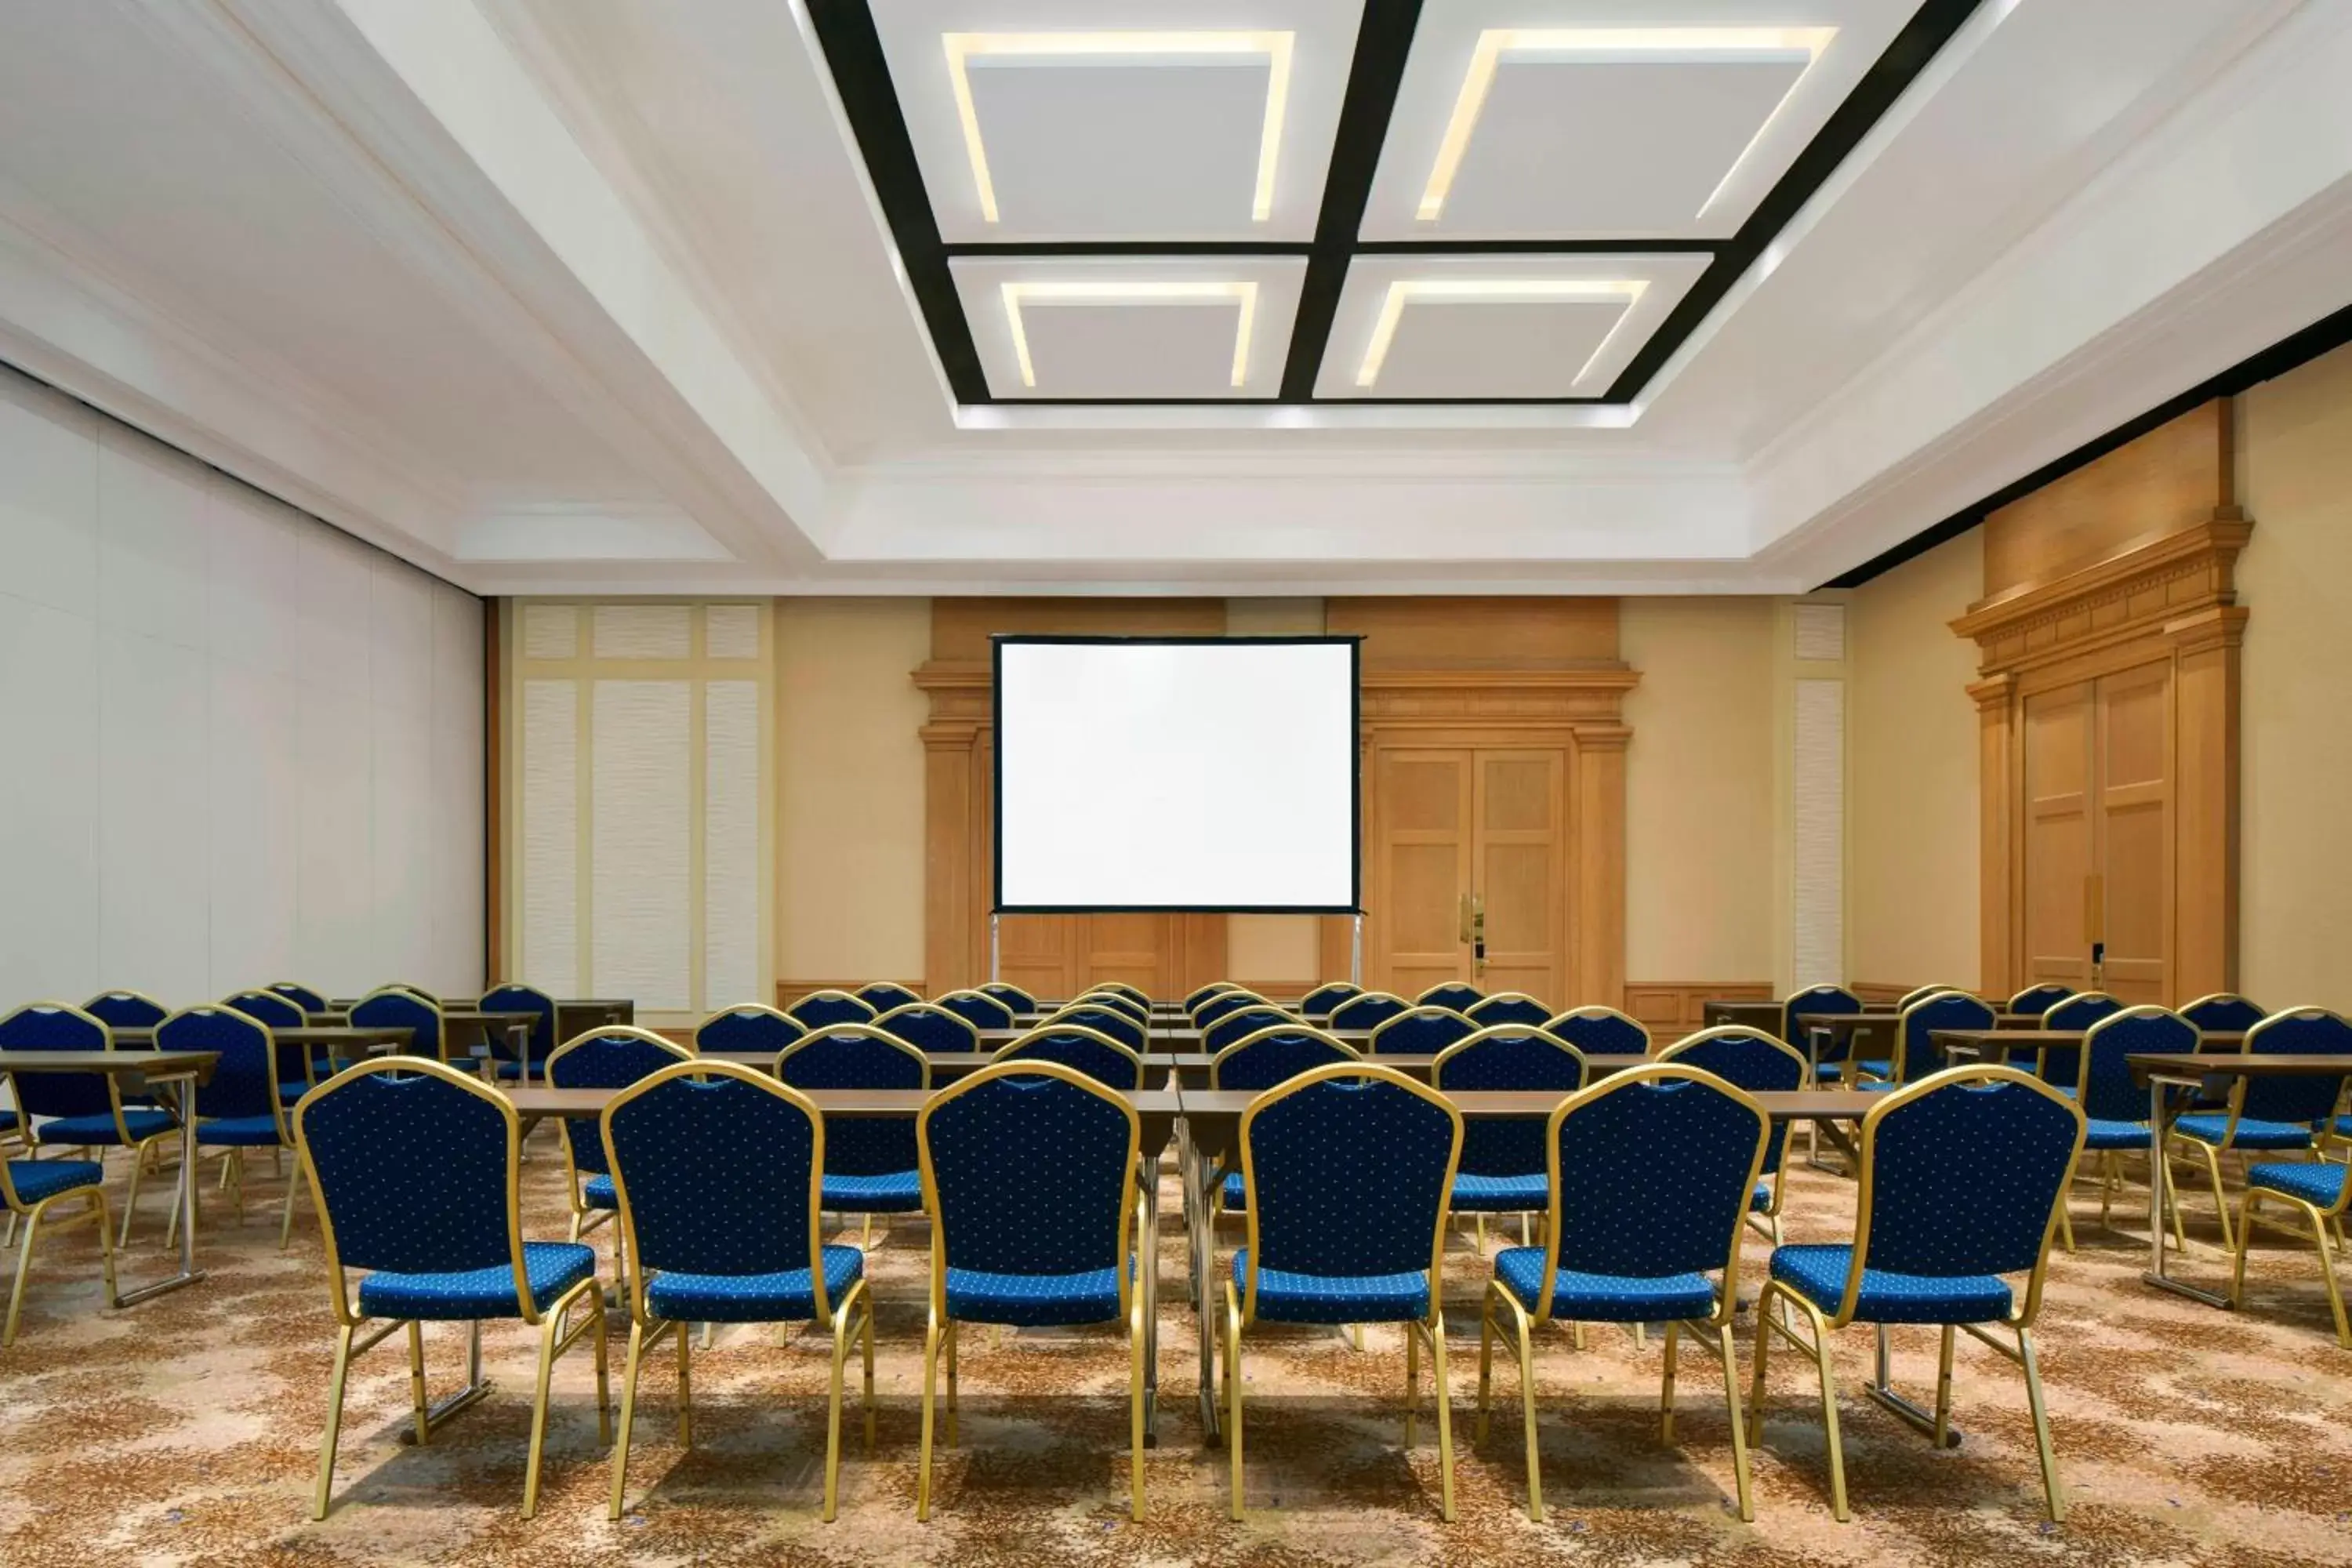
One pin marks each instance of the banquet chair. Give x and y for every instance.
(1244, 1022)
(612, 1057)
(1419, 1031)
(869, 1161)
(829, 1006)
(1259, 1061)
(523, 1001)
(2036, 1000)
(1193, 999)
(1921, 993)
(883, 994)
(2312, 1191)
(399, 1008)
(81, 1110)
(1915, 1055)
(2271, 1115)
(2060, 1064)
(301, 995)
(1215, 1007)
(2223, 1011)
(32, 1191)
(1753, 1060)
(1454, 993)
(750, 1028)
(1501, 1169)
(1111, 1063)
(238, 1107)
(276, 1012)
(1507, 1007)
(928, 1026)
(977, 1008)
(1013, 997)
(1318, 1004)
(2115, 1104)
(1103, 1019)
(1367, 1010)
(1598, 1031)
(1829, 1058)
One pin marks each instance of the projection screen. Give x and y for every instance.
(1176, 773)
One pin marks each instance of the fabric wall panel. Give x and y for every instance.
(640, 842)
(547, 914)
(253, 860)
(48, 814)
(732, 865)
(152, 524)
(48, 498)
(154, 911)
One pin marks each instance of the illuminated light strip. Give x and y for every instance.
(1497, 291)
(962, 47)
(1494, 41)
(1108, 292)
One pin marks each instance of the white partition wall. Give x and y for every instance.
(240, 745)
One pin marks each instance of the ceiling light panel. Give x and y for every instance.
(1130, 327)
(1119, 120)
(1561, 120)
(1472, 328)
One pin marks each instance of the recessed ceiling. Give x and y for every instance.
(1129, 328)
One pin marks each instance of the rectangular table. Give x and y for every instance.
(1994, 1045)
(135, 1072)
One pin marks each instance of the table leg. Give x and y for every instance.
(2159, 1184)
(1150, 1285)
(184, 1094)
(1205, 1260)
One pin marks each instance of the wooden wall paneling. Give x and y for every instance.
(2205, 800)
(1597, 899)
(1519, 864)
(2134, 752)
(1670, 1009)
(2175, 476)
(2000, 840)
(2059, 831)
(1424, 800)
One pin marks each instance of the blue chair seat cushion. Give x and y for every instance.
(2317, 1182)
(511, 1070)
(37, 1179)
(100, 1129)
(1501, 1195)
(1817, 1273)
(786, 1296)
(1235, 1194)
(1761, 1198)
(1876, 1068)
(288, 1093)
(2102, 1134)
(893, 1192)
(1286, 1297)
(598, 1192)
(1827, 1071)
(551, 1266)
(1578, 1297)
(2249, 1134)
(7, 1121)
(1034, 1300)
(239, 1132)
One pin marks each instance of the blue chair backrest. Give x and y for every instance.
(1319, 1002)
(1241, 1023)
(1104, 1019)
(1452, 994)
(1508, 1056)
(245, 1080)
(276, 1011)
(1817, 999)
(415, 1170)
(1013, 997)
(1136, 995)
(303, 997)
(2103, 1085)
(1030, 1172)
(55, 1026)
(1346, 1176)
(1222, 1003)
(1074, 1047)
(1507, 1009)
(515, 998)
(1420, 1031)
(819, 1008)
(612, 1058)
(1964, 1178)
(1192, 1000)
(1600, 1031)
(719, 1170)
(978, 1008)
(2037, 1000)
(1274, 1056)
(760, 1030)
(1626, 1207)
(928, 1027)
(2301, 1031)
(859, 1056)
(397, 1008)
(1944, 1010)
(2223, 1011)
(1750, 1060)
(2080, 1011)
(126, 1010)
(1119, 1002)
(883, 994)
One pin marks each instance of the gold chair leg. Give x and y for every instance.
(2066, 1218)
(326, 1486)
(595, 1303)
(833, 1413)
(106, 1245)
(2246, 1206)
(1666, 1385)
(954, 1339)
(539, 1415)
(1740, 1465)
(1234, 1395)
(130, 1194)
(2220, 1202)
(1944, 1389)
(1412, 1381)
(628, 1419)
(1135, 1372)
(685, 1386)
(1766, 1326)
(1527, 1411)
(416, 1379)
(1830, 1417)
(1486, 1364)
(1444, 1409)
(2040, 1425)
(868, 1337)
(286, 1222)
(24, 1267)
(930, 1391)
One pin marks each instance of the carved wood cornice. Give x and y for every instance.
(2140, 591)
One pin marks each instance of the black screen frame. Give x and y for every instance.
(1355, 646)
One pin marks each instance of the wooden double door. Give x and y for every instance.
(1468, 877)
(1059, 956)
(2098, 832)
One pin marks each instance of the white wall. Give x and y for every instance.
(240, 745)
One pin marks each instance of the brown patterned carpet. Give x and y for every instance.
(185, 1430)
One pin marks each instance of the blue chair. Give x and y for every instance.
(1013, 997)
(750, 1029)
(1633, 1236)
(819, 1008)
(2036, 1000)
(1454, 993)
(81, 1110)
(1108, 1062)
(1319, 1003)
(1341, 1239)
(977, 1008)
(883, 994)
(1241, 1023)
(2312, 1191)
(869, 1161)
(126, 1010)
(1963, 1176)
(1103, 1019)
(1753, 1060)
(1599, 1031)
(298, 1070)
(399, 1008)
(524, 1001)
(413, 1165)
(2222, 1012)
(1507, 1007)
(1273, 1055)
(1194, 999)
(720, 1170)
(1121, 988)
(30, 1190)
(1419, 1031)
(1222, 1003)
(1029, 1173)
(239, 1107)
(2114, 1105)
(2271, 1115)
(1921, 993)
(928, 1027)
(612, 1057)
(1915, 1055)
(301, 995)
(1829, 1055)
(2061, 1063)
(1118, 1001)
(1501, 1170)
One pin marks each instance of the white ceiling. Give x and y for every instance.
(558, 295)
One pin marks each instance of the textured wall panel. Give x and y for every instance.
(551, 631)
(732, 864)
(731, 631)
(640, 842)
(644, 631)
(1821, 633)
(48, 814)
(253, 858)
(1820, 791)
(550, 905)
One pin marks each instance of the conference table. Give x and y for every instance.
(1994, 1045)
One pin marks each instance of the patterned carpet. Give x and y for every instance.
(185, 1430)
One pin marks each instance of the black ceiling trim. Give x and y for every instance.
(1130, 247)
(1628, 246)
(2327, 334)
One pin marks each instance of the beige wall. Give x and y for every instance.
(1912, 814)
(849, 818)
(1699, 828)
(2295, 580)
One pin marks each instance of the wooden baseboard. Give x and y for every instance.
(1671, 1008)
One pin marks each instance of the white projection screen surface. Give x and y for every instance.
(1202, 774)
